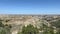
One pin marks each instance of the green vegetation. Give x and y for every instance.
(4, 29)
(29, 30)
(56, 24)
(1, 25)
(47, 30)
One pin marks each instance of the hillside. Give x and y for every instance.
(17, 21)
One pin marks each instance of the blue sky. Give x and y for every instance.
(29, 6)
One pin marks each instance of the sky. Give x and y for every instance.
(29, 6)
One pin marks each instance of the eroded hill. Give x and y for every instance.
(17, 21)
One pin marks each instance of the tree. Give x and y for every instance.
(58, 31)
(30, 29)
(19, 33)
(2, 30)
(1, 24)
(56, 24)
(50, 30)
(47, 30)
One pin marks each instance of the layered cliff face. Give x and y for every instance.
(17, 21)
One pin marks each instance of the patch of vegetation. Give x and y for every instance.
(56, 24)
(30, 29)
(4, 29)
